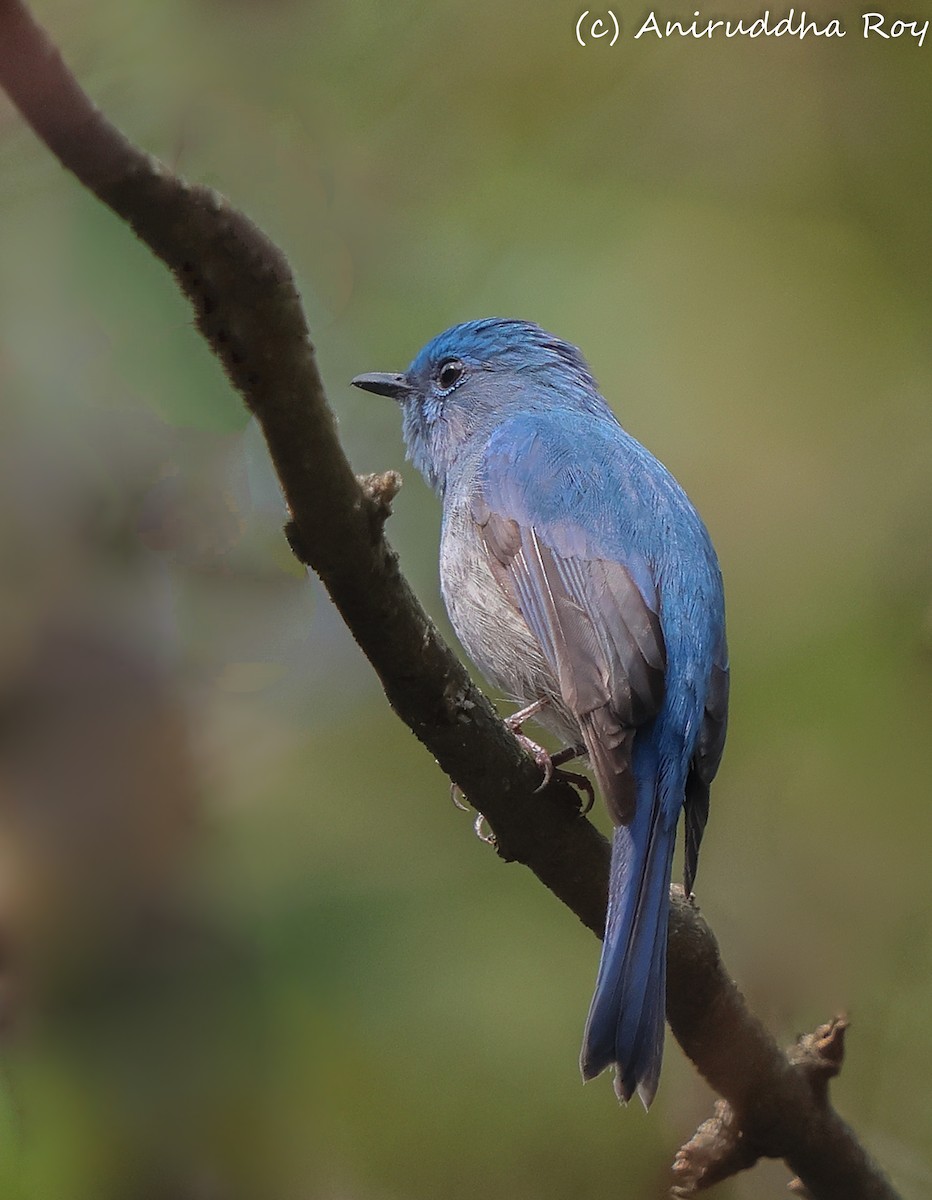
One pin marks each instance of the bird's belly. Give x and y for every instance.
(493, 632)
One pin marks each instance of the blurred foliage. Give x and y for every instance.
(248, 948)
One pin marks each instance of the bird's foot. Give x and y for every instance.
(541, 756)
(551, 764)
(537, 752)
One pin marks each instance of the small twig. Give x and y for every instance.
(716, 1151)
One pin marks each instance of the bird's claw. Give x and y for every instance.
(483, 836)
(455, 793)
(550, 765)
(582, 784)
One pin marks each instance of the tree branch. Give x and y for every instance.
(248, 309)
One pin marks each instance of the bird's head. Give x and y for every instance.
(472, 377)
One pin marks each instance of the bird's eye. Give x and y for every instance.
(450, 373)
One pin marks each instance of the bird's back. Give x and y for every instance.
(584, 481)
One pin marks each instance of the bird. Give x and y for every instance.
(581, 581)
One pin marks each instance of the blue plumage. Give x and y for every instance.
(576, 571)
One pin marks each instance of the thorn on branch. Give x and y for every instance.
(380, 490)
(819, 1055)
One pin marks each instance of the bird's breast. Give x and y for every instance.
(492, 631)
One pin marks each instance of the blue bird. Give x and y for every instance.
(582, 582)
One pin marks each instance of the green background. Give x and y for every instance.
(247, 946)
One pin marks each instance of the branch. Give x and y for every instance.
(248, 310)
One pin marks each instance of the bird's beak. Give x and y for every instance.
(383, 384)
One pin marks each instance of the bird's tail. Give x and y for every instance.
(625, 1024)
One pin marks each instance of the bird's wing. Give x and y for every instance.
(595, 614)
(705, 760)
